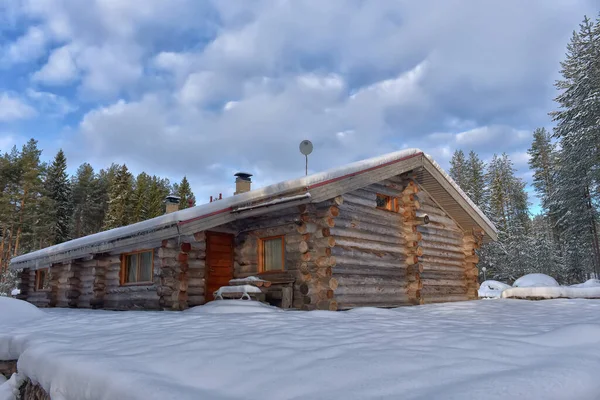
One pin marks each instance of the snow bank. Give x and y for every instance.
(13, 310)
(9, 388)
(552, 293)
(493, 350)
(234, 307)
(536, 280)
(15, 292)
(492, 289)
(588, 283)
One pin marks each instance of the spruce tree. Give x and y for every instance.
(476, 186)
(158, 191)
(458, 170)
(510, 257)
(576, 196)
(119, 197)
(140, 198)
(58, 191)
(85, 204)
(184, 191)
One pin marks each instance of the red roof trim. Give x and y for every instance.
(316, 185)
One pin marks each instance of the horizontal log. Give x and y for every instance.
(307, 227)
(348, 233)
(370, 290)
(354, 260)
(443, 254)
(379, 229)
(444, 299)
(328, 305)
(369, 280)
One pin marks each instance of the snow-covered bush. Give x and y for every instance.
(492, 289)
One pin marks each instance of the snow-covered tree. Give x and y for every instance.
(577, 192)
(510, 257)
(58, 196)
(119, 199)
(458, 170)
(476, 186)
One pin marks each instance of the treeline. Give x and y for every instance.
(563, 240)
(41, 205)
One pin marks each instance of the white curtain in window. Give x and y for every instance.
(145, 267)
(273, 254)
(132, 264)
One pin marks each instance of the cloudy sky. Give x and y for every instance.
(208, 88)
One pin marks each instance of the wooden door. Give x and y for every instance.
(219, 262)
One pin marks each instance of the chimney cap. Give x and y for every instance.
(245, 176)
(172, 199)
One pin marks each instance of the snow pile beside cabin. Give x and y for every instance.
(538, 287)
(467, 350)
(13, 310)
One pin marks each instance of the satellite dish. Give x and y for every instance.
(306, 147)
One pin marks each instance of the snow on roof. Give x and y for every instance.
(168, 223)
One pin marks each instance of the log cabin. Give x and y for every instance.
(389, 231)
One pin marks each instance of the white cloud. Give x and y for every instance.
(28, 47)
(239, 84)
(60, 68)
(13, 108)
(50, 104)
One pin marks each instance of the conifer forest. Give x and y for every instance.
(41, 205)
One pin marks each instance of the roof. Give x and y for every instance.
(314, 188)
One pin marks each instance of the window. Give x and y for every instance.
(271, 254)
(385, 202)
(137, 267)
(42, 279)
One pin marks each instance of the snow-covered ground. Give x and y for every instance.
(503, 349)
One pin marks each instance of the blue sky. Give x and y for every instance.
(207, 88)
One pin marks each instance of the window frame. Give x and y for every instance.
(38, 280)
(261, 254)
(392, 204)
(123, 272)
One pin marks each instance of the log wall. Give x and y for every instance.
(444, 263)
(372, 249)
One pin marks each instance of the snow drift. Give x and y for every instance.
(536, 280)
(13, 310)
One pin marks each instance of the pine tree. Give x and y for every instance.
(29, 187)
(458, 170)
(58, 191)
(119, 196)
(576, 196)
(476, 187)
(158, 191)
(87, 205)
(184, 191)
(140, 197)
(510, 257)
